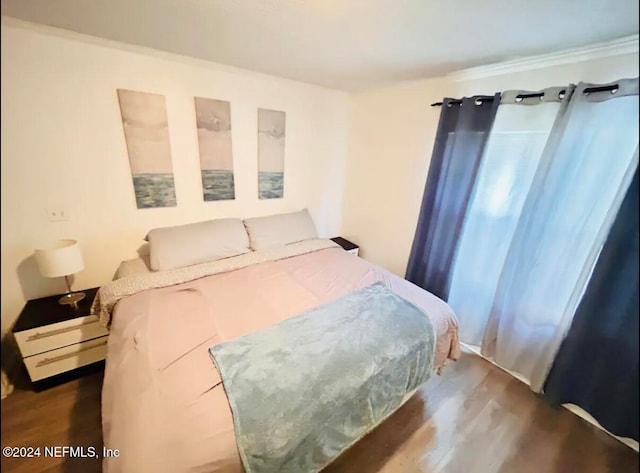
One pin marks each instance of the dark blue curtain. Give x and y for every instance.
(462, 134)
(597, 365)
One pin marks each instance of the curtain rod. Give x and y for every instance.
(603, 88)
(481, 98)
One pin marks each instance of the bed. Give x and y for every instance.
(164, 405)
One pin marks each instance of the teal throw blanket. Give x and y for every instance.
(302, 391)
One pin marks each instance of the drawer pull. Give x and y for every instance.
(39, 335)
(48, 361)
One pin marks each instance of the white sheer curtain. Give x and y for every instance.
(510, 160)
(530, 241)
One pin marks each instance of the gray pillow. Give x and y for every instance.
(280, 230)
(194, 243)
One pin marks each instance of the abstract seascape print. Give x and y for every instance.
(213, 120)
(144, 118)
(271, 134)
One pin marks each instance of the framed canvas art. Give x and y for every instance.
(271, 138)
(213, 121)
(144, 118)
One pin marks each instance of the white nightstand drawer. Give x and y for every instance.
(50, 337)
(65, 359)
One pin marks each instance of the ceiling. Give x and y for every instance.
(343, 44)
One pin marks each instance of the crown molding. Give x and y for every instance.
(98, 41)
(617, 47)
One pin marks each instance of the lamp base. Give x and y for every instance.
(72, 299)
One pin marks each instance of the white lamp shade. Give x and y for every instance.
(62, 258)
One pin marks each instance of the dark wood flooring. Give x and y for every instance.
(474, 418)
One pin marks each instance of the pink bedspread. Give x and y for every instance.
(164, 406)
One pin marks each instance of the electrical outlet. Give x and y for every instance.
(57, 215)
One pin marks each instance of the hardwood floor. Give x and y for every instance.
(67, 414)
(474, 418)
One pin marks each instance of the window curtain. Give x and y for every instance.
(585, 169)
(462, 134)
(512, 155)
(597, 365)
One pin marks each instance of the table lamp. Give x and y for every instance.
(62, 258)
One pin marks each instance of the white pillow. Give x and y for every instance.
(280, 230)
(194, 243)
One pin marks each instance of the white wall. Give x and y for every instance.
(63, 147)
(391, 137)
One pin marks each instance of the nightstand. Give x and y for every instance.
(347, 245)
(55, 338)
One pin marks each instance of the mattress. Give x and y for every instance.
(164, 406)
